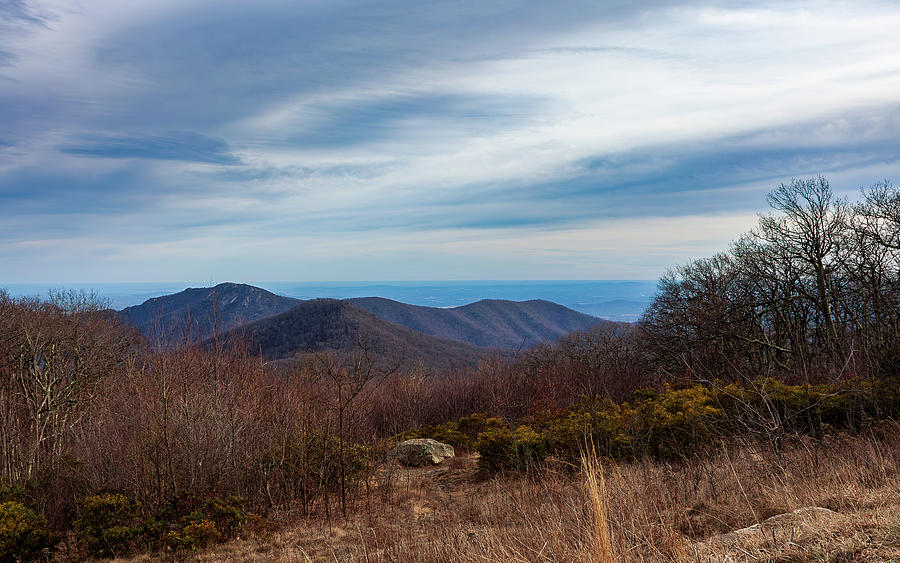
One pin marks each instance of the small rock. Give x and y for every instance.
(422, 451)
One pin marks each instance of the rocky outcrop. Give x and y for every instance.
(422, 451)
(791, 521)
(781, 533)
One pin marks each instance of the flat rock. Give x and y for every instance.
(785, 526)
(422, 451)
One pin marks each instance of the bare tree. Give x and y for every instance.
(347, 382)
(810, 233)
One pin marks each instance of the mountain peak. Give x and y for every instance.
(196, 313)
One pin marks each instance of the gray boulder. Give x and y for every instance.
(422, 451)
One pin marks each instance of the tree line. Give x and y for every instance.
(809, 295)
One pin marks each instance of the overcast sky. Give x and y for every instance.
(391, 140)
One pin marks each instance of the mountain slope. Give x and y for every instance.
(339, 326)
(490, 322)
(193, 314)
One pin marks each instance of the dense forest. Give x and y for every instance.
(112, 445)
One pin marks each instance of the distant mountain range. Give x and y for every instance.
(342, 327)
(494, 323)
(280, 327)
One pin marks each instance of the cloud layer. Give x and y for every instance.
(409, 140)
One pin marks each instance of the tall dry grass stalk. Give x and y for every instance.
(604, 551)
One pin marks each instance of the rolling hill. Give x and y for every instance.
(339, 326)
(491, 323)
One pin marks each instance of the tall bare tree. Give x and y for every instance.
(810, 233)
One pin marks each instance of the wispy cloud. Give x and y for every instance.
(460, 139)
(340, 123)
(16, 17)
(184, 145)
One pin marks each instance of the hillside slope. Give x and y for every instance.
(491, 322)
(193, 314)
(340, 326)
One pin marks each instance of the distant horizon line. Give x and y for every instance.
(627, 298)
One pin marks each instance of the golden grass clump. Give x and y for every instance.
(604, 550)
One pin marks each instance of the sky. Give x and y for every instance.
(415, 140)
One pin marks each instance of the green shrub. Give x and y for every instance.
(107, 525)
(448, 433)
(530, 448)
(676, 422)
(495, 447)
(673, 422)
(23, 533)
(227, 514)
(190, 522)
(801, 408)
(473, 425)
(502, 448)
(601, 427)
(9, 491)
(197, 532)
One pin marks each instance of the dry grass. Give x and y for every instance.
(595, 483)
(655, 512)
